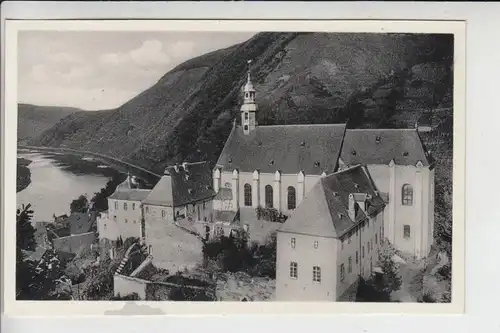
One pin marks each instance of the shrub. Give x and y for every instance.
(270, 214)
(129, 297)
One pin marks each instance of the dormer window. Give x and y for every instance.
(186, 176)
(190, 191)
(353, 152)
(335, 194)
(377, 139)
(316, 164)
(303, 143)
(405, 154)
(356, 186)
(259, 143)
(230, 160)
(271, 162)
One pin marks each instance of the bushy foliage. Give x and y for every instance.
(79, 205)
(390, 280)
(99, 280)
(233, 254)
(100, 199)
(189, 294)
(270, 214)
(129, 297)
(36, 280)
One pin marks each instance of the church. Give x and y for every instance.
(279, 167)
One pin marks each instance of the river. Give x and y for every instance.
(53, 187)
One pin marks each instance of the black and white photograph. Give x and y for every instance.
(235, 166)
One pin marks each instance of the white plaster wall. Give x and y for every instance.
(269, 179)
(303, 288)
(128, 222)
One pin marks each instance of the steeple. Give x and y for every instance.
(249, 107)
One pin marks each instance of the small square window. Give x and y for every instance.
(316, 244)
(316, 274)
(292, 242)
(293, 270)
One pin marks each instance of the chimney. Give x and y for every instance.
(176, 168)
(352, 207)
(184, 165)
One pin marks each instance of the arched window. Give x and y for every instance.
(247, 190)
(124, 206)
(269, 196)
(246, 115)
(291, 197)
(407, 195)
(163, 213)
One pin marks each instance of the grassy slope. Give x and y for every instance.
(34, 120)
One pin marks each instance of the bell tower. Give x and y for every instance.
(249, 108)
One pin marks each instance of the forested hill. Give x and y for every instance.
(33, 120)
(372, 80)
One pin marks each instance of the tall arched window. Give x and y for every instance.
(291, 197)
(124, 206)
(269, 196)
(407, 195)
(247, 190)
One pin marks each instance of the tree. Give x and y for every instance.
(99, 280)
(36, 280)
(79, 205)
(390, 280)
(25, 233)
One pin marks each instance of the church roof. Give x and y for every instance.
(324, 210)
(380, 146)
(128, 194)
(288, 148)
(182, 186)
(128, 190)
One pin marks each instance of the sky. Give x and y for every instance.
(96, 70)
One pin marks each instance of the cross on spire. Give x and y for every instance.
(249, 62)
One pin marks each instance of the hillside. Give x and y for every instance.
(373, 80)
(33, 120)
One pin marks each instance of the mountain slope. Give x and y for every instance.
(369, 79)
(33, 120)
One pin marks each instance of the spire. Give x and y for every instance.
(249, 107)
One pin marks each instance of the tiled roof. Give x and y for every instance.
(130, 194)
(324, 210)
(180, 187)
(380, 146)
(224, 194)
(80, 223)
(224, 216)
(288, 148)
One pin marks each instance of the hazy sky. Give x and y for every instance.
(102, 70)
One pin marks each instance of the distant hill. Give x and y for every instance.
(32, 120)
(369, 80)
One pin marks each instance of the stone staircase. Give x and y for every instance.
(187, 225)
(140, 247)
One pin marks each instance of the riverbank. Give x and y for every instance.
(23, 176)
